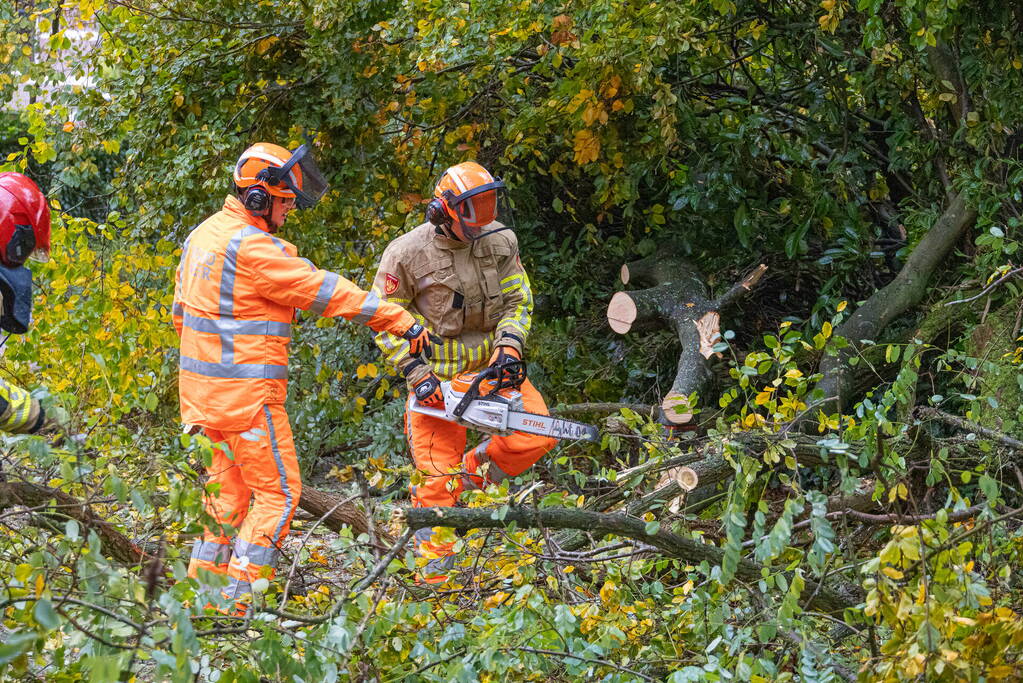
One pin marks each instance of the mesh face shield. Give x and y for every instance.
(307, 183)
(480, 210)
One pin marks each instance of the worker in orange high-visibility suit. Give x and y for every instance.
(236, 291)
(460, 274)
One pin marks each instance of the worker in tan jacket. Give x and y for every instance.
(460, 275)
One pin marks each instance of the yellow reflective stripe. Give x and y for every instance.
(19, 406)
(26, 410)
(522, 317)
(516, 276)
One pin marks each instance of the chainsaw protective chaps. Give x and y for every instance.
(259, 465)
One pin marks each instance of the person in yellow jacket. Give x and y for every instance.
(236, 290)
(24, 234)
(459, 274)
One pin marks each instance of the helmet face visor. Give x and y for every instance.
(20, 247)
(480, 210)
(306, 182)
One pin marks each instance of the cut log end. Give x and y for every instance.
(625, 273)
(621, 312)
(676, 409)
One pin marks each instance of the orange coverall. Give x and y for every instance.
(476, 297)
(236, 291)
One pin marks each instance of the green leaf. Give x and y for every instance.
(45, 615)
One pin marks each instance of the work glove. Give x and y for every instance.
(503, 354)
(418, 341)
(427, 391)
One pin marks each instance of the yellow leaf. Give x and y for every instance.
(826, 330)
(40, 584)
(265, 44)
(371, 370)
(69, 126)
(892, 572)
(586, 146)
(841, 306)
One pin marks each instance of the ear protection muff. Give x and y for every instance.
(256, 200)
(436, 212)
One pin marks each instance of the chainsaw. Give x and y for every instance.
(489, 401)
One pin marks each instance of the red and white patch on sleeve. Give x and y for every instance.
(390, 284)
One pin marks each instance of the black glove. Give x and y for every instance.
(419, 340)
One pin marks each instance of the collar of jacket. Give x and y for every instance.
(233, 206)
(445, 242)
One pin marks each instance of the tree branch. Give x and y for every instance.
(821, 596)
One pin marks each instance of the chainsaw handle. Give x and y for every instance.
(473, 392)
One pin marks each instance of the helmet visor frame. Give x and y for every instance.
(314, 185)
(477, 214)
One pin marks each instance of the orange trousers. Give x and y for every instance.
(258, 467)
(438, 449)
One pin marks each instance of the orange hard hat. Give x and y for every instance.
(467, 200)
(251, 170)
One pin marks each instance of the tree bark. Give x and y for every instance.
(115, 544)
(897, 297)
(823, 597)
(322, 505)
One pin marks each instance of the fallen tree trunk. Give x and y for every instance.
(897, 297)
(335, 513)
(823, 597)
(676, 297)
(115, 544)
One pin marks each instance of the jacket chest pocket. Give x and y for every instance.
(439, 293)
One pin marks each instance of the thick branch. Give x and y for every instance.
(601, 408)
(116, 544)
(822, 597)
(325, 505)
(969, 426)
(900, 295)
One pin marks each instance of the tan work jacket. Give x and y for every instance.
(475, 296)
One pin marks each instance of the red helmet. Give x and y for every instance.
(24, 221)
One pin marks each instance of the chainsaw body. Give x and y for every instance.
(477, 401)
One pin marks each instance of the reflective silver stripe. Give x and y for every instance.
(280, 245)
(369, 309)
(308, 263)
(256, 554)
(234, 370)
(211, 551)
(178, 309)
(325, 294)
(230, 269)
(271, 328)
(289, 506)
(494, 474)
(237, 588)
(227, 277)
(422, 536)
